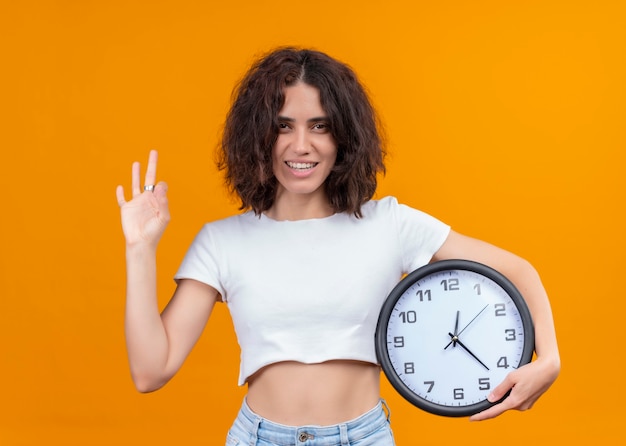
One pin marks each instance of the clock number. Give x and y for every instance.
(408, 317)
(483, 384)
(500, 309)
(398, 341)
(430, 385)
(477, 288)
(510, 334)
(503, 363)
(409, 368)
(423, 295)
(459, 394)
(450, 284)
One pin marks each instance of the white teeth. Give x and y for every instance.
(301, 166)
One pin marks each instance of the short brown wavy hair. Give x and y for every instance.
(251, 129)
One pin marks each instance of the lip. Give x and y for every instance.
(301, 169)
(301, 164)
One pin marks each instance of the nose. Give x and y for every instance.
(301, 142)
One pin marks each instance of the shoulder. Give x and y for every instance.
(223, 229)
(383, 205)
(402, 216)
(231, 223)
(389, 207)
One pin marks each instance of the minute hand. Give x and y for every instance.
(469, 351)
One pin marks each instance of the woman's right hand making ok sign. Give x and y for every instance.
(146, 215)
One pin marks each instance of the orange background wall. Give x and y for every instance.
(505, 119)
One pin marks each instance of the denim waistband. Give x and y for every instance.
(341, 433)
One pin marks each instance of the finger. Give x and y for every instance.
(152, 168)
(119, 193)
(160, 194)
(135, 179)
(501, 389)
(492, 412)
(160, 189)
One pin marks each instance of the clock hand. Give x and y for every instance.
(456, 339)
(456, 332)
(468, 324)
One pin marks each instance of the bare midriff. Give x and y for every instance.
(296, 394)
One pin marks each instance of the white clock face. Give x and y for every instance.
(451, 337)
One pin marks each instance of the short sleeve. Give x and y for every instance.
(200, 261)
(420, 235)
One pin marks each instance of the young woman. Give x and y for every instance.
(306, 267)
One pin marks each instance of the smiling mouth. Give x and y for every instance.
(300, 166)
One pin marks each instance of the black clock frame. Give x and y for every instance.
(382, 352)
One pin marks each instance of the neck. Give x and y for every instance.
(299, 207)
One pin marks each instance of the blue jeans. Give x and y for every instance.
(370, 429)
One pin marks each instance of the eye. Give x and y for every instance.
(321, 127)
(283, 127)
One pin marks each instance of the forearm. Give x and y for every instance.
(146, 338)
(527, 280)
(529, 382)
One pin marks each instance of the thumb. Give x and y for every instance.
(160, 190)
(501, 390)
(158, 198)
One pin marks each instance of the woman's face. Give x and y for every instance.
(305, 151)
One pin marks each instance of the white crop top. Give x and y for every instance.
(310, 290)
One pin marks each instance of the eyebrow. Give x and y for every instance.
(309, 121)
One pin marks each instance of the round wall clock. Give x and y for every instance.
(450, 332)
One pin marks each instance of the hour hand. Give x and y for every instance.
(456, 332)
